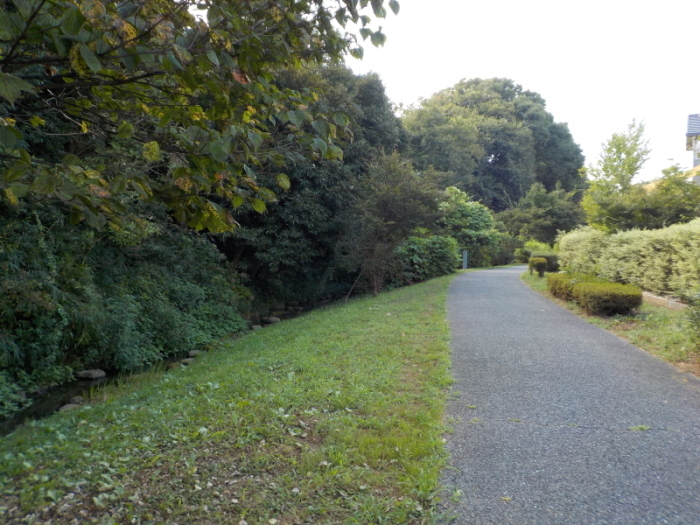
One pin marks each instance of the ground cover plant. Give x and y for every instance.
(333, 417)
(665, 333)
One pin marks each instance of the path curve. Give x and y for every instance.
(548, 439)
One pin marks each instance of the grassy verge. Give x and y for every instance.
(662, 332)
(334, 417)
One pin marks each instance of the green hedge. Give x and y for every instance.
(561, 284)
(607, 298)
(665, 261)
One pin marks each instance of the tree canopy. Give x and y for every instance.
(197, 97)
(495, 140)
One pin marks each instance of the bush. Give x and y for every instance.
(580, 250)
(694, 315)
(539, 264)
(551, 258)
(425, 258)
(607, 298)
(561, 284)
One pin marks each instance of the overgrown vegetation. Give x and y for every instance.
(334, 417)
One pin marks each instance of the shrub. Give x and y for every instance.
(561, 284)
(694, 315)
(539, 264)
(425, 258)
(551, 258)
(607, 298)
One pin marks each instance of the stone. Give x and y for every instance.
(91, 374)
(194, 353)
(77, 400)
(187, 361)
(174, 364)
(69, 406)
(271, 320)
(256, 327)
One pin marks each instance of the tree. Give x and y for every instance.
(540, 215)
(199, 98)
(495, 140)
(289, 252)
(613, 202)
(392, 202)
(472, 225)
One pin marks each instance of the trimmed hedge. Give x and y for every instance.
(607, 298)
(665, 261)
(593, 294)
(538, 264)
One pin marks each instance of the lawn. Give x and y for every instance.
(333, 417)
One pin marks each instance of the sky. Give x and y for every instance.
(598, 64)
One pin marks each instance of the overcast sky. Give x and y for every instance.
(598, 64)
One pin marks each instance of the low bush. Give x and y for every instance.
(694, 316)
(561, 284)
(538, 264)
(607, 298)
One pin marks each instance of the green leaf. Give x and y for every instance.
(90, 59)
(365, 33)
(357, 52)
(20, 190)
(322, 128)
(71, 160)
(15, 172)
(125, 130)
(320, 146)
(8, 29)
(255, 139)
(73, 21)
(219, 151)
(9, 136)
(45, 183)
(335, 152)
(11, 87)
(296, 118)
(394, 6)
(283, 181)
(341, 119)
(378, 38)
(258, 205)
(211, 55)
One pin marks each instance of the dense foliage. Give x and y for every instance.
(422, 258)
(198, 99)
(494, 140)
(540, 215)
(72, 298)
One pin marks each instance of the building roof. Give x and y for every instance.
(693, 126)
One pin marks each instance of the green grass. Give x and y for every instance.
(660, 331)
(333, 417)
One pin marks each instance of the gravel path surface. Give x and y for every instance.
(545, 408)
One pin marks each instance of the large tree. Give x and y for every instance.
(199, 98)
(495, 140)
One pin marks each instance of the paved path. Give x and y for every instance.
(549, 439)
